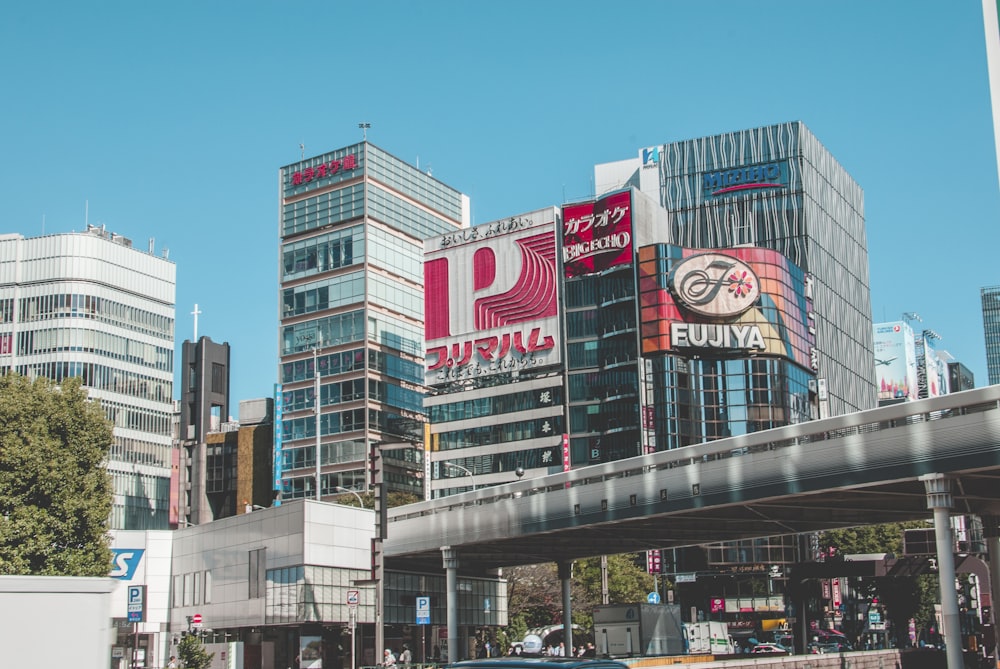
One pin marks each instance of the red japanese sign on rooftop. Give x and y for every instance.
(323, 170)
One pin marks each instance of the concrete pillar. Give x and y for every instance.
(566, 579)
(991, 534)
(938, 489)
(450, 557)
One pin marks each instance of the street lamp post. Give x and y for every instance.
(472, 477)
(343, 489)
(317, 409)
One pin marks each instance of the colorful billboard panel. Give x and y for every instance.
(491, 299)
(725, 303)
(895, 361)
(598, 234)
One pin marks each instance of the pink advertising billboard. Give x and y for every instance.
(598, 234)
(491, 299)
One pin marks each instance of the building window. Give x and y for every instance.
(218, 378)
(256, 573)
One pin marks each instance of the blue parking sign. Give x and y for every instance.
(423, 610)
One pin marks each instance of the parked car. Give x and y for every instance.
(832, 641)
(768, 649)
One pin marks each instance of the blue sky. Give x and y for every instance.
(171, 120)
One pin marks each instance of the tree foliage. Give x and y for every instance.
(55, 494)
(904, 597)
(395, 498)
(534, 593)
(192, 653)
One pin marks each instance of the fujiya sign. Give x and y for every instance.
(718, 287)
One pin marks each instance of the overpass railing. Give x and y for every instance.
(838, 427)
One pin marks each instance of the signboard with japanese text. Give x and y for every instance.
(491, 299)
(597, 235)
(136, 603)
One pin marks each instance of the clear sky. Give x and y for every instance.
(170, 120)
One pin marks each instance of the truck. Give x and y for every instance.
(633, 630)
(708, 638)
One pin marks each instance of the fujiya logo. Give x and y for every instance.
(714, 285)
(651, 156)
(124, 562)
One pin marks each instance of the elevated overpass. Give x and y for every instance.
(856, 469)
(909, 461)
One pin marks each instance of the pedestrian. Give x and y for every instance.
(406, 656)
(172, 662)
(388, 659)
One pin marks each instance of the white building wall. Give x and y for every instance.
(56, 621)
(302, 532)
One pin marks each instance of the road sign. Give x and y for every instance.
(874, 617)
(653, 598)
(353, 597)
(423, 610)
(196, 620)
(136, 603)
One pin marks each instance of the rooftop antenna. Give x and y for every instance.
(302, 148)
(910, 316)
(364, 130)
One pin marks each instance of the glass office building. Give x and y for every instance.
(990, 296)
(352, 226)
(90, 305)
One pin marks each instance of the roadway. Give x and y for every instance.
(850, 470)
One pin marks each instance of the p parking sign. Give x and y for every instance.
(136, 603)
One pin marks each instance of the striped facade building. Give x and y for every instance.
(775, 187)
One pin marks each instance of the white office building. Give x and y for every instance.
(88, 304)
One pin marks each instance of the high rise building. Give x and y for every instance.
(775, 187)
(352, 226)
(990, 296)
(90, 305)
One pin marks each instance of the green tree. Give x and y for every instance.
(534, 593)
(904, 597)
(396, 498)
(55, 494)
(192, 653)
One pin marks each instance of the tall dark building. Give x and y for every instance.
(204, 407)
(205, 388)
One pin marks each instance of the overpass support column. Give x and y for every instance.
(566, 579)
(991, 534)
(450, 556)
(938, 489)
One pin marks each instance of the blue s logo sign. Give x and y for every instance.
(124, 562)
